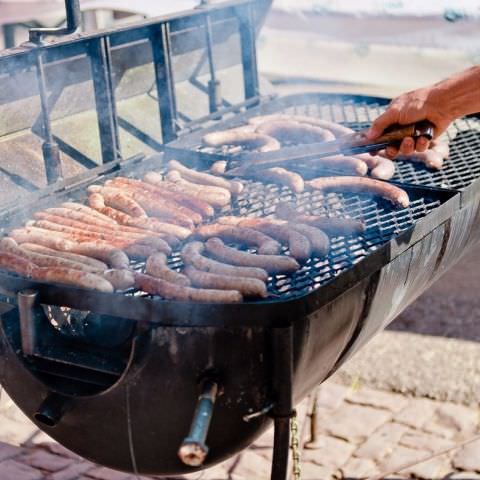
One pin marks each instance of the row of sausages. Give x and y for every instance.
(270, 132)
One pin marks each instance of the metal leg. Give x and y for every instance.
(283, 409)
(313, 442)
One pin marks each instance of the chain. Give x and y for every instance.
(295, 446)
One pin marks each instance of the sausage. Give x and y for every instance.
(16, 264)
(116, 199)
(282, 176)
(205, 178)
(120, 279)
(40, 259)
(219, 167)
(91, 262)
(330, 225)
(157, 267)
(41, 237)
(271, 263)
(80, 216)
(248, 287)
(192, 255)
(157, 286)
(114, 257)
(299, 245)
(345, 163)
(384, 170)
(249, 140)
(288, 131)
(430, 158)
(244, 236)
(77, 278)
(78, 207)
(441, 147)
(215, 196)
(319, 241)
(148, 224)
(160, 192)
(362, 185)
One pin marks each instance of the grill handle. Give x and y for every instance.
(73, 15)
(194, 450)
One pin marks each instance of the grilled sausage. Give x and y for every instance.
(244, 236)
(330, 225)
(249, 140)
(114, 257)
(80, 216)
(248, 287)
(92, 262)
(282, 176)
(362, 185)
(319, 241)
(160, 192)
(288, 131)
(219, 167)
(16, 264)
(192, 255)
(116, 199)
(430, 158)
(157, 267)
(78, 207)
(157, 286)
(41, 237)
(40, 259)
(271, 263)
(120, 279)
(77, 278)
(299, 245)
(345, 163)
(215, 196)
(384, 170)
(205, 178)
(441, 147)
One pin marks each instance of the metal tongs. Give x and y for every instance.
(350, 144)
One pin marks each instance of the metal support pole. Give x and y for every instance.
(282, 411)
(214, 87)
(313, 442)
(27, 300)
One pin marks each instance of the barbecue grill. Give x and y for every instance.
(128, 380)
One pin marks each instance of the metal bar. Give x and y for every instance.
(162, 61)
(214, 92)
(98, 51)
(50, 150)
(249, 52)
(283, 408)
(27, 299)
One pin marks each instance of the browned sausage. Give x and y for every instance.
(92, 262)
(78, 207)
(298, 245)
(157, 267)
(219, 167)
(80, 216)
(248, 287)
(68, 276)
(282, 176)
(318, 239)
(41, 237)
(114, 257)
(16, 264)
(192, 255)
(271, 263)
(362, 185)
(120, 279)
(215, 196)
(160, 192)
(249, 140)
(330, 225)
(205, 178)
(288, 131)
(384, 170)
(157, 286)
(350, 165)
(115, 198)
(430, 158)
(40, 259)
(244, 236)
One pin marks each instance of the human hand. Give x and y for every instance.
(411, 107)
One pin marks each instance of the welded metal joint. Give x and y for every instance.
(27, 301)
(73, 17)
(194, 450)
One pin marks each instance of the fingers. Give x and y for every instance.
(389, 117)
(422, 144)
(407, 147)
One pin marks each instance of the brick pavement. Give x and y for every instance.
(361, 432)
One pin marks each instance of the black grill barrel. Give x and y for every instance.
(194, 450)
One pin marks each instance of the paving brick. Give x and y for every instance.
(417, 413)
(16, 432)
(46, 461)
(72, 472)
(311, 471)
(104, 473)
(468, 458)
(425, 441)
(9, 451)
(375, 398)
(461, 418)
(265, 440)
(332, 452)
(401, 456)
(331, 395)
(251, 465)
(215, 473)
(382, 441)
(463, 476)
(13, 470)
(57, 449)
(355, 423)
(435, 468)
(357, 468)
(432, 426)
